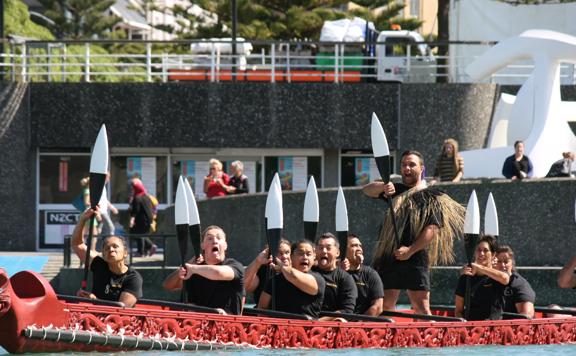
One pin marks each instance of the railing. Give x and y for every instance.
(130, 238)
(154, 61)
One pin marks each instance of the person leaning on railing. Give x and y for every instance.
(112, 279)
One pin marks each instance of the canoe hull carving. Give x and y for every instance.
(36, 321)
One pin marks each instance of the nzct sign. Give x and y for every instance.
(57, 224)
(62, 217)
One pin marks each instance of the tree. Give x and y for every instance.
(385, 13)
(80, 19)
(18, 22)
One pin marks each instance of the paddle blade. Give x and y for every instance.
(310, 230)
(275, 181)
(341, 221)
(380, 149)
(181, 214)
(195, 238)
(472, 217)
(275, 214)
(471, 226)
(491, 217)
(99, 158)
(98, 167)
(181, 218)
(311, 206)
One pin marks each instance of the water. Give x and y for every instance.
(535, 350)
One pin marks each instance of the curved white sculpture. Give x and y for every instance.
(538, 116)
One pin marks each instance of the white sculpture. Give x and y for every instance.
(537, 115)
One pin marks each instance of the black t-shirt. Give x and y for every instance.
(226, 295)
(264, 273)
(369, 286)
(108, 285)
(340, 293)
(241, 184)
(290, 299)
(517, 291)
(420, 258)
(486, 297)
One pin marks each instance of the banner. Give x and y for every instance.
(300, 179)
(145, 168)
(285, 172)
(361, 171)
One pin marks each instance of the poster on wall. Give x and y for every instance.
(145, 167)
(202, 170)
(362, 172)
(250, 172)
(285, 172)
(300, 171)
(374, 173)
(58, 224)
(63, 176)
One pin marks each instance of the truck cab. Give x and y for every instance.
(402, 57)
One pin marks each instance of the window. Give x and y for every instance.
(358, 168)
(415, 8)
(151, 170)
(60, 177)
(294, 171)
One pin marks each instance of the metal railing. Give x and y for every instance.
(130, 239)
(156, 61)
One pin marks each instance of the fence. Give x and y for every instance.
(154, 61)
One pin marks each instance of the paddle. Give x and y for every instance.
(182, 220)
(471, 234)
(382, 157)
(491, 218)
(311, 211)
(341, 222)
(98, 170)
(194, 219)
(275, 223)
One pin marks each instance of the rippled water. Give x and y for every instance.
(538, 350)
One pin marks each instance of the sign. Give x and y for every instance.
(285, 172)
(58, 224)
(361, 171)
(145, 168)
(300, 179)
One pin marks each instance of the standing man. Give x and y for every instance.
(213, 280)
(340, 293)
(238, 182)
(368, 283)
(427, 222)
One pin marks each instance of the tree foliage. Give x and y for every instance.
(79, 19)
(18, 22)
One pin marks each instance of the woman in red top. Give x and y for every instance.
(216, 182)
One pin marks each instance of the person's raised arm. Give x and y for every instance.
(499, 276)
(375, 189)
(303, 281)
(207, 181)
(77, 241)
(251, 280)
(211, 272)
(566, 277)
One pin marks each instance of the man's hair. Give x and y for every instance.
(328, 235)
(507, 249)
(415, 153)
(301, 242)
(517, 143)
(491, 241)
(353, 236)
(213, 227)
(238, 165)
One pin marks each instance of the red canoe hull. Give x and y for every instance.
(36, 321)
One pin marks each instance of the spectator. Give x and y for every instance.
(141, 217)
(238, 182)
(216, 182)
(517, 166)
(450, 165)
(562, 167)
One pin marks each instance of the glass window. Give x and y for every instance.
(151, 169)
(358, 168)
(60, 177)
(294, 171)
(414, 8)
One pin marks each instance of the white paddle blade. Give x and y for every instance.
(194, 217)
(275, 180)
(311, 207)
(341, 211)
(379, 141)
(181, 215)
(275, 212)
(491, 217)
(472, 218)
(99, 159)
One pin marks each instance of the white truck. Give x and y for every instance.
(403, 59)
